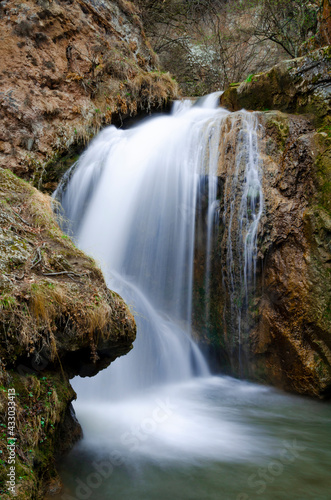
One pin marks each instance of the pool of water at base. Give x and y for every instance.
(214, 438)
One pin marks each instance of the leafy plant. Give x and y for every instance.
(6, 301)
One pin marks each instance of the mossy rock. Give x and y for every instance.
(58, 319)
(301, 85)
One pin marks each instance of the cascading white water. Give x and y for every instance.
(132, 201)
(213, 208)
(251, 206)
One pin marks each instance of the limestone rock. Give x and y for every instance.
(292, 341)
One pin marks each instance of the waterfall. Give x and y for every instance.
(132, 201)
(243, 207)
(147, 203)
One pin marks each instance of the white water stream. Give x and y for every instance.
(132, 201)
(156, 424)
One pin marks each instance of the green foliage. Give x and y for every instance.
(6, 301)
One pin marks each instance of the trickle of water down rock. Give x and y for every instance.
(243, 207)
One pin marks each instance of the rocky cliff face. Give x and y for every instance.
(287, 337)
(66, 69)
(292, 340)
(57, 320)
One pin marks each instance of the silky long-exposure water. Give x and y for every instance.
(156, 424)
(208, 438)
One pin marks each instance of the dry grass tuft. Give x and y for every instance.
(47, 299)
(128, 7)
(99, 318)
(153, 89)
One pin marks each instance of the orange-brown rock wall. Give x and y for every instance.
(66, 69)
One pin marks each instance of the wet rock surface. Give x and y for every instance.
(287, 338)
(293, 337)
